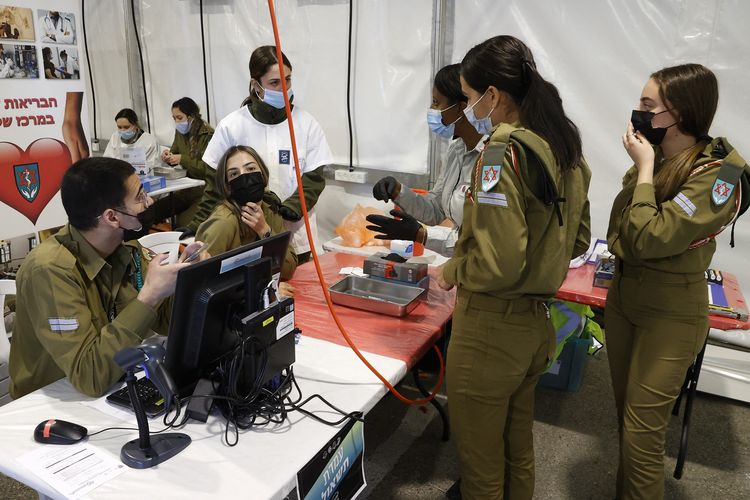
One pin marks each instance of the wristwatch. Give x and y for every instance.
(266, 234)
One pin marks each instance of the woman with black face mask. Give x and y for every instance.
(681, 191)
(247, 211)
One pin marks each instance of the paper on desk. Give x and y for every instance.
(356, 271)
(73, 470)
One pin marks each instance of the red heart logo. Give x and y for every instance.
(30, 179)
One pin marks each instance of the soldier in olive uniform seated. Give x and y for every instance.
(82, 294)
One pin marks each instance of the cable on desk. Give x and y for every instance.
(321, 278)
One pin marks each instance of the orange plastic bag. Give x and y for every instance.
(353, 231)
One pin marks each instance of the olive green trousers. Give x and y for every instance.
(497, 352)
(656, 323)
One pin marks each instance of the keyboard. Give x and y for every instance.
(151, 399)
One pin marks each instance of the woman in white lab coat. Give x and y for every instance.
(261, 124)
(132, 144)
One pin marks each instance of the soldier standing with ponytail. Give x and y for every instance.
(526, 216)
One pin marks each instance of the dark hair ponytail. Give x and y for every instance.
(507, 64)
(188, 106)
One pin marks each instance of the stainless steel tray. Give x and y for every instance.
(376, 296)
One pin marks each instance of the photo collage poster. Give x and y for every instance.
(43, 111)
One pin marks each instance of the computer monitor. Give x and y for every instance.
(211, 298)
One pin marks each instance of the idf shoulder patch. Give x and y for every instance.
(490, 176)
(725, 182)
(491, 168)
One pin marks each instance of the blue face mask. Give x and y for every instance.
(483, 125)
(275, 98)
(126, 135)
(183, 127)
(435, 122)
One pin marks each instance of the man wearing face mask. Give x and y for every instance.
(247, 211)
(82, 295)
(260, 123)
(446, 199)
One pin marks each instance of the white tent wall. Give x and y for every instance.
(599, 54)
(390, 71)
(106, 25)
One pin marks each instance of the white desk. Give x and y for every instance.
(177, 185)
(262, 465)
(174, 185)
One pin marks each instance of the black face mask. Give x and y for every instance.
(247, 188)
(146, 218)
(641, 121)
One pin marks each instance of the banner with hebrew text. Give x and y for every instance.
(43, 113)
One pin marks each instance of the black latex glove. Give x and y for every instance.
(394, 229)
(383, 189)
(289, 214)
(186, 232)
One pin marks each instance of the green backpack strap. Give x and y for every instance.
(540, 174)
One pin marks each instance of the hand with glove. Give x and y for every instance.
(405, 227)
(386, 189)
(289, 214)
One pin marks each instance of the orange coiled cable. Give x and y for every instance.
(303, 204)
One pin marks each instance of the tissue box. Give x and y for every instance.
(604, 273)
(376, 266)
(152, 182)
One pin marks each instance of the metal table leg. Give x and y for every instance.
(689, 387)
(434, 402)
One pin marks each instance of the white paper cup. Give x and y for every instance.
(165, 242)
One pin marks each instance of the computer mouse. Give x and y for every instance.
(55, 431)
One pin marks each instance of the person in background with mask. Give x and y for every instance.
(526, 215)
(246, 210)
(683, 189)
(446, 119)
(82, 294)
(261, 123)
(192, 134)
(130, 136)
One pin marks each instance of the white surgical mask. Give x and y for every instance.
(182, 127)
(483, 125)
(126, 135)
(275, 98)
(435, 122)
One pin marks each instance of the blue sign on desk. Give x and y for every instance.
(337, 470)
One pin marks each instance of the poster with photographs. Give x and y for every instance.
(43, 111)
(57, 27)
(16, 24)
(18, 61)
(60, 63)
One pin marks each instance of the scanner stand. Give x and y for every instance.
(147, 450)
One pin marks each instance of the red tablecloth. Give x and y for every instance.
(578, 287)
(407, 339)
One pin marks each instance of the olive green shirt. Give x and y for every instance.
(643, 232)
(203, 198)
(511, 244)
(75, 310)
(221, 231)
